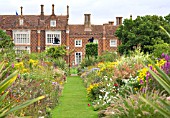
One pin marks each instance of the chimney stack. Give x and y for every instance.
(131, 16)
(111, 22)
(87, 22)
(42, 12)
(53, 9)
(67, 11)
(21, 10)
(118, 20)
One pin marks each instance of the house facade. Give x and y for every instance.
(35, 33)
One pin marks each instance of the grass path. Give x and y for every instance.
(73, 102)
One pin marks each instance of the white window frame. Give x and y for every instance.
(50, 35)
(21, 21)
(19, 49)
(52, 23)
(21, 37)
(77, 63)
(78, 43)
(113, 44)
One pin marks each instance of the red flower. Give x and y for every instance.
(89, 105)
(116, 85)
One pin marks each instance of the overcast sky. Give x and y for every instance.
(101, 11)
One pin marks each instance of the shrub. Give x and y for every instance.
(88, 61)
(91, 50)
(108, 57)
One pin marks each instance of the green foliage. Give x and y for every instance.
(161, 48)
(56, 51)
(91, 49)
(5, 41)
(108, 57)
(61, 63)
(6, 47)
(88, 61)
(143, 31)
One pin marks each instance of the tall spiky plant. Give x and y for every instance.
(164, 81)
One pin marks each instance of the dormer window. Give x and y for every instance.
(21, 22)
(53, 23)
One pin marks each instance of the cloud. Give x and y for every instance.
(101, 11)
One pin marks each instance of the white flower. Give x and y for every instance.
(100, 96)
(108, 84)
(41, 117)
(112, 112)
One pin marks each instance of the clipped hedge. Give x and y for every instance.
(91, 50)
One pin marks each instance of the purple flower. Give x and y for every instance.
(163, 55)
(151, 67)
(167, 57)
(141, 81)
(12, 65)
(54, 83)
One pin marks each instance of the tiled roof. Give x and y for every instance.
(95, 30)
(79, 29)
(31, 22)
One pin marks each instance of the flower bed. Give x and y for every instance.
(125, 78)
(35, 79)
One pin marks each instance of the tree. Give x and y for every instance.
(5, 40)
(6, 47)
(144, 32)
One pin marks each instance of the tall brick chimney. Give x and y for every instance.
(53, 9)
(87, 22)
(131, 16)
(111, 22)
(67, 11)
(42, 12)
(21, 10)
(118, 20)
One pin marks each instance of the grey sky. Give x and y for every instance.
(101, 11)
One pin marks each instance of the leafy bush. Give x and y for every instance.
(61, 63)
(108, 57)
(161, 48)
(56, 51)
(88, 61)
(91, 50)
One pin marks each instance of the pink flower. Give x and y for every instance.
(88, 105)
(168, 98)
(12, 65)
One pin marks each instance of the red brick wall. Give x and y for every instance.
(42, 40)
(34, 40)
(63, 37)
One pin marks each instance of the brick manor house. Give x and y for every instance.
(36, 32)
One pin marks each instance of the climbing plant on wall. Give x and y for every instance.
(91, 49)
